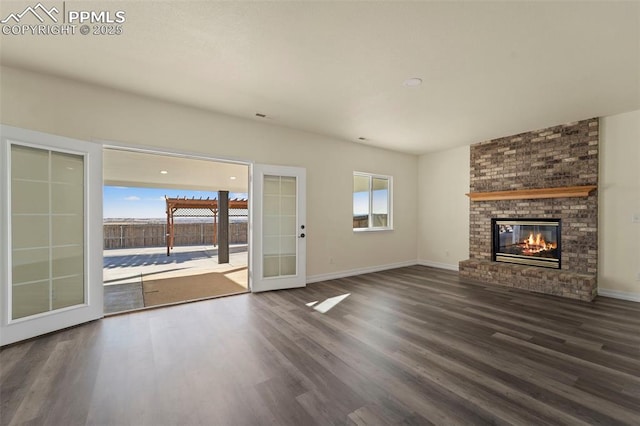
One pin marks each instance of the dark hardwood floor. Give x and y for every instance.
(409, 346)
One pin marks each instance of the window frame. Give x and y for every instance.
(371, 177)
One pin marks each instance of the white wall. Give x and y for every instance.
(435, 198)
(619, 192)
(63, 107)
(443, 223)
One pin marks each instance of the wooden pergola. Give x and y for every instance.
(192, 207)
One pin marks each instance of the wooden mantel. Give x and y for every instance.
(529, 194)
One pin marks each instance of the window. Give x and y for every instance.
(371, 202)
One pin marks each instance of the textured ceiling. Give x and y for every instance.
(490, 69)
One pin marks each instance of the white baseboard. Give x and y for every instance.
(624, 295)
(359, 271)
(438, 265)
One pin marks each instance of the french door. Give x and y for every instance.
(278, 254)
(51, 243)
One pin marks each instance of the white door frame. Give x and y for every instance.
(23, 328)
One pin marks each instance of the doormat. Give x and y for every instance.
(191, 287)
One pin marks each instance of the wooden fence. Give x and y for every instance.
(133, 235)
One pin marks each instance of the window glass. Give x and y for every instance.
(380, 203)
(361, 201)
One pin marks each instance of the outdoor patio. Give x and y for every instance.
(130, 275)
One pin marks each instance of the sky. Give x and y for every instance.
(361, 202)
(147, 203)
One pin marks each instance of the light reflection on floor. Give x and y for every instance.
(329, 303)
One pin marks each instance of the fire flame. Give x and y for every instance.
(537, 244)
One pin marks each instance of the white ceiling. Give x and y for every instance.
(490, 69)
(139, 169)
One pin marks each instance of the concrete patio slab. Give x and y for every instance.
(124, 270)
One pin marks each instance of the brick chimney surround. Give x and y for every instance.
(564, 156)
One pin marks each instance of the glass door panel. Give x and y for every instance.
(279, 249)
(47, 230)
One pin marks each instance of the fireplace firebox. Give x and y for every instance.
(534, 242)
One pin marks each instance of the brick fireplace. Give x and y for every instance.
(545, 174)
